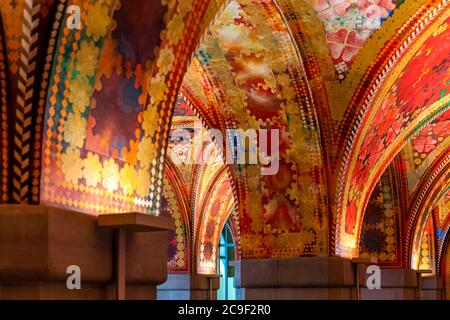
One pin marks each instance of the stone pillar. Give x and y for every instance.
(38, 243)
(432, 288)
(305, 278)
(396, 284)
(189, 287)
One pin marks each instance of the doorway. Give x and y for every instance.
(226, 265)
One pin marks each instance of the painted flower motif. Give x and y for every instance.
(329, 9)
(281, 215)
(375, 211)
(185, 7)
(366, 147)
(146, 152)
(165, 61)
(149, 122)
(375, 153)
(427, 75)
(157, 89)
(350, 217)
(374, 240)
(92, 170)
(287, 88)
(394, 130)
(389, 115)
(427, 131)
(386, 126)
(72, 165)
(388, 120)
(143, 182)
(263, 103)
(445, 116)
(80, 93)
(425, 144)
(447, 197)
(87, 58)
(180, 262)
(345, 45)
(442, 129)
(110, 175)
(281, 181)
(387, 104)
(175, 29)
(75, 130)
(97, 20)
(128, 179)
(369, 154)
(377, 8)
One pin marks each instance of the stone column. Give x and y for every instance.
(396, 284)
(189, 287)
(38, 244)
(432, 288)
(305, 278)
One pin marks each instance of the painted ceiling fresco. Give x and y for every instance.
(177, 192)
(381, 230)
(197, 193)
(102, 146)
(263, 93)
(443, 210)
(427, 248)
(385, 237)
(216, 207)
(179, 240)
(101, 157)
(397, 114)
(437, 191)
(349, 24)
(433, 138)
(430, 144)
(416, 173)
(348, 89)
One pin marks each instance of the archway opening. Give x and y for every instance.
(226, 265)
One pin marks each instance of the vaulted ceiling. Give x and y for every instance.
(357, 89)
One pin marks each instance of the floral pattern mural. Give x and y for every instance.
(349, 24)
(107, 106)
(381, 230)
(427, 248)
(442, 215)
(431, 137)
(178, 251)
(436, 194)
(283, 214)
(197, 193)
(106, 148)
(85, 123)
(396, 111)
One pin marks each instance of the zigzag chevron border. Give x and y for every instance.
(24, 105)
(37, 154)
(4, 142)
